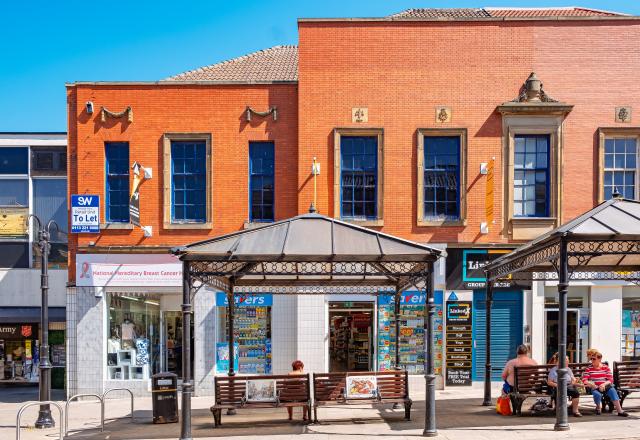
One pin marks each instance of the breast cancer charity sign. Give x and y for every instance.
(85, 213)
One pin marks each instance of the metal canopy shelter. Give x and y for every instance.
(307, 254)
(602, 244)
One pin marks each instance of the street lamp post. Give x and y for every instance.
(44, 415)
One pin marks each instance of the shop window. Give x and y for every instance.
(252, 333)
(620, 167)
(531, 176)
(117, 182)
(261, 181)
(358, 177)
(48, 161)
(187, 176)
(133, 338)
(18, 344)
(630, 339)
(14, 160)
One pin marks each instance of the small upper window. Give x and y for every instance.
(117, 182)
(48, 161)
(442, 177)
(359, 177)
(531, 176)
(14, 160)
(188, 182)
(620, 167)
(261, 181)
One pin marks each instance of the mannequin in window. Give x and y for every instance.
(128, 332)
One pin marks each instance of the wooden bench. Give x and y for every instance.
(531, 381)
(291, 391)
(330, 389)
(626, 378)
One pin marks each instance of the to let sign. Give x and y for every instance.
(85, 213)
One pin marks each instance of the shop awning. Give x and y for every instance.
(30, 315)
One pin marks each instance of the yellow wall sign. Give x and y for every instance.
(13, 221)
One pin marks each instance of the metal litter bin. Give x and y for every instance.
(164, 393)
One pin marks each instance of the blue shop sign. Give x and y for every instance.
(246, 299)
(410, 298)
(85, 213)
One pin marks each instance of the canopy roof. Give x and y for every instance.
(603, 243)
(308, 250)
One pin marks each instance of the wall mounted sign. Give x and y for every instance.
(465, 269)
(359, 114)
(246, 300)
(85, 213)
(13, 221)
(100, 270)
(459, 341)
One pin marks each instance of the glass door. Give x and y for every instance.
(573, 334)
(171, 325)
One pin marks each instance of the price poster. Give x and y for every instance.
(458, 344)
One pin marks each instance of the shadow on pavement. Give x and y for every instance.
(453, 414)
(24, 393)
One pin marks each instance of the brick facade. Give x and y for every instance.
(400, 71)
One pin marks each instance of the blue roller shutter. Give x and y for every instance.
(506, 331)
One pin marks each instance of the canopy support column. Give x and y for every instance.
(430, 378)
(187, 386)
(396, 314)
(487, 365)
(562, 423)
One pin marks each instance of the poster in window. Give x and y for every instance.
(13, 221)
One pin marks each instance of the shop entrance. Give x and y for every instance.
(171, 355)
(573, 341)
(351, 335)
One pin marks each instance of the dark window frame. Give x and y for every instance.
(259, 174)
(120, 175)
(537, 170)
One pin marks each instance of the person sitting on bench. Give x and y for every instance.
(599, 379)
(572, 391)
(297, 368)
(509, 375)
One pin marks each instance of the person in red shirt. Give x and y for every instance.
(599, 379)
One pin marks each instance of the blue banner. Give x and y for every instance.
(246, 299)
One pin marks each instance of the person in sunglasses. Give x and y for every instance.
(599, 379)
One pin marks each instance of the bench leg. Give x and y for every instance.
(407, 410)
(315, 414)
(217, 417)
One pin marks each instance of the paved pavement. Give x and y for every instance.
(460, 417)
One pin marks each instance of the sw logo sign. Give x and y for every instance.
(85, 213)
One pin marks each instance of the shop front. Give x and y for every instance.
(19, 343)
(465, 355)
(125, 323)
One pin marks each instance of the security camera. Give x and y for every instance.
(89, 106)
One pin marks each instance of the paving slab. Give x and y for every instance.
(460, 416)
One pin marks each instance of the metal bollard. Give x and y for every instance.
(75, 396)
(29, 404)
(117, 389)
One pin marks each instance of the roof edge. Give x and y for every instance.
(177, 83)
(479, 19)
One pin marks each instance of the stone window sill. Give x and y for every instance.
(444, 223)
(120, 226)
(254, 225)
(365, 223)
(208, 225)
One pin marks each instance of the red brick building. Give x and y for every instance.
(426, 124)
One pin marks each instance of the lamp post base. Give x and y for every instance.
(426, 433)
(44, 418)
(557, 427)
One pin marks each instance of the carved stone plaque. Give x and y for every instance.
(359, 114)
(623, 114)
(443, 114)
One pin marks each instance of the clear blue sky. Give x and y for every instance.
(44, 44)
